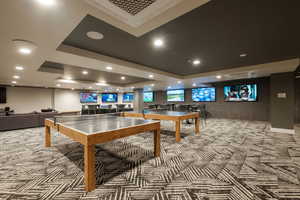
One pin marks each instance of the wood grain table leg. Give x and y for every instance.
(157, 142)
(197, 125)
(47, 136)
(178, 138)
(89, 167)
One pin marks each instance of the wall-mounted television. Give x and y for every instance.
(109, 97)
(206, 94)
(2, 95)
(175, 95)
(247, 92)
(88, 98)
(148, 97)
(128, 97)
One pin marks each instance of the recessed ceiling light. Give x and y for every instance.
(151, 76)
(132, 87)
(24, 47)
(243, 55)
(101, 84)
(14, 82)
(25, 51)
(196, 62)
(19, 68)
(66, 81)
(58, 85)
(152, 85)
(85, 72)
(72, 89)
(158, 42)
(95, 35)
(123, 78)
(16, 77)
(194, 85)
(68, 78)
(218, 76)
(109, 68)
(47, 2)
(179, 82)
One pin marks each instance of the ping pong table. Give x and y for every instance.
(95, 129)
(168, 115)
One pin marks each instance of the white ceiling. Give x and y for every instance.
(47, 26)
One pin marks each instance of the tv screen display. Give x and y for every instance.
(240, 92)
(204, 94)
(175, 95)
(148, 97)
(88, 97)
(109, 97)
(2, 95)
(128, 97)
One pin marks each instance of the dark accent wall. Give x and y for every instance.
(236, 110)
(282, 113)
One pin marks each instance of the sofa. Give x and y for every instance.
(21, 121)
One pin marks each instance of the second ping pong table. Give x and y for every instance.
(176, 116)
(96, 129)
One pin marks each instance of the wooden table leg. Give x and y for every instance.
(178, 138)
(47, 136)
(197, 125)
(157, 142)
(89, 167)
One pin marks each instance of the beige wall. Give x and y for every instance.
(24, 100)
(66, 100)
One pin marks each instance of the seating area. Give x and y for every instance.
(9, 120)
(6, 111)
(22, 121)
(105, 108)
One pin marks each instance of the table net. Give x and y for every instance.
(74, 118)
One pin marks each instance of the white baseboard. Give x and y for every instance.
(282, 130)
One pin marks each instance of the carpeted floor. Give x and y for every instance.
(231, 159)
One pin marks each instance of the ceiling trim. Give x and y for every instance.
(154, 22)
(275, 67)
(110, 60)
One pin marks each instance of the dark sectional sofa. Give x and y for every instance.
(21, 121)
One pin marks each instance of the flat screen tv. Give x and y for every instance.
(2, 95)
(88, 98)
(175, 95)
(246, 93)
(109, 97)
(206, 94)
(128, 97)
(148, 97)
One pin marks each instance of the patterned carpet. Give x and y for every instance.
(232, 159)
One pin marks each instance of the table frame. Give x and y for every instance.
(90, 140)
(176, 119)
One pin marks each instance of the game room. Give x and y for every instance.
(150, 99)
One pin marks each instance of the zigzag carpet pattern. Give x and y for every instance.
(231, 159)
